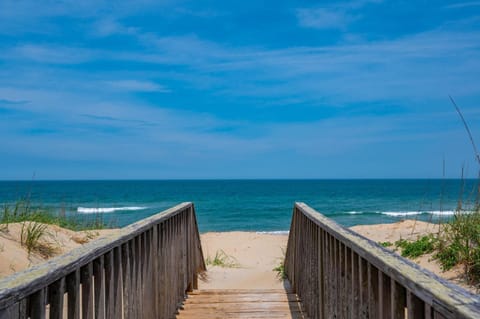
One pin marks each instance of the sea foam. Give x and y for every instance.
(93, 210)
(276, 232)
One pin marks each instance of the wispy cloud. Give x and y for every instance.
(336, 16)
(137, 86)
(463, 5)
(323, 18)
(49, 54)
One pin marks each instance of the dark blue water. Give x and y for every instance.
(255, 205)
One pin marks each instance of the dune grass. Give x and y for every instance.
(222, 259)
(22, 211)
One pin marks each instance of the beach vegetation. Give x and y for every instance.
(458, 241)
(222, 259)
(280, 269)
(417, 248)
(31, 235)
(459, 244)
(21, 211)
(385, 243)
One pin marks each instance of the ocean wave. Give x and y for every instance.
(93, 210)
(274, 232)
(397, 214)
(355, 213)
(450, 212)
(413, 213)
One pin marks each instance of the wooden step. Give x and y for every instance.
(242, 303)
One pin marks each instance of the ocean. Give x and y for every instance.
(250, 205)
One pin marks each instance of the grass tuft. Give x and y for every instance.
(31, 234)
(221, 259)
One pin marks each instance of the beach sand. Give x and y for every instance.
(56, 241)
(255, 256)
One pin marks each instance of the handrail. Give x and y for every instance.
(341, 274)
(141, 271)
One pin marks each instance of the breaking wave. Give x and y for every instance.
(93, 210)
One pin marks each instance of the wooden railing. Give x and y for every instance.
(340, 274)
(143, 271)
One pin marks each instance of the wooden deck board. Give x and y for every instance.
(232, 304)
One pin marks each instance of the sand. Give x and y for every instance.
(255, 256)
(56, 241)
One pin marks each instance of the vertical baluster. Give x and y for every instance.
(156, 300)
(355, 286)
(321, 275)
(428, 311)
(363, 276)
(341, 280)
(109, 286)
(385, 300)
(348, 282)
(415, 306)
(73, 295)
(373, 292)
(397, 300)
(12, 312)
(86, 274)
(98, 266)
(128, 294)
(56, 293)
(118, 282)
(162, 279)
(37, 304)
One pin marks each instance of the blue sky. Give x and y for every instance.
(237, 89)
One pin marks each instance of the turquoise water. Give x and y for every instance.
(254, 205)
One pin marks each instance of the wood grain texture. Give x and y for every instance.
(242, 304)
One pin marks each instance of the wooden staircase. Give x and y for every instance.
(248, 303)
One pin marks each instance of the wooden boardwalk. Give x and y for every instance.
(233, 304)
(145, 269)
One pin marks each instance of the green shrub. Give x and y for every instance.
(459, 243)
(414, 249)
(385, 244)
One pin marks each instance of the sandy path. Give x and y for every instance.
(256, 255)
